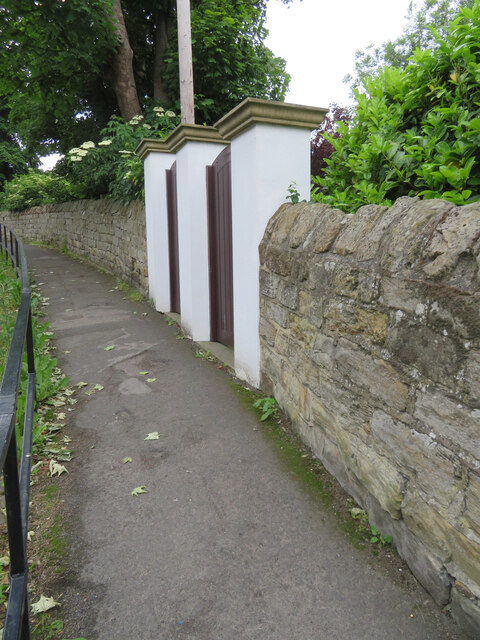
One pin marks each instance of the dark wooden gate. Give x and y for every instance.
(173, 238)
(220, 248)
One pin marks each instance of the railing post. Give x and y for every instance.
(17, 484)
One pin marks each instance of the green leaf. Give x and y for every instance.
(153, 436)
(138, 490)
(110, 347)
(126, 459)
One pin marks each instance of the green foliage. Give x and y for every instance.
(375, 535)
(111, 166)
(423, 21)
(36, 188)
(293, 193)
(49, 380)
(416, 131)
(268, 407)
(52, 60)
(57, 79)
(230, 60)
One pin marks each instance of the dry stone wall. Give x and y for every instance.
(106, 232)
(370, 334)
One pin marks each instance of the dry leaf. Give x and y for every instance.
(44, 604)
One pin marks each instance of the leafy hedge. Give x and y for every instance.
(415, 131)
(36, 188)
(109, 167)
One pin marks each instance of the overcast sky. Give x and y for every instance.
(318, 39)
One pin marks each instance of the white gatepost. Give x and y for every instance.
(157, 159)
(270, 150)
(195, 147)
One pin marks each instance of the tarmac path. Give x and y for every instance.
(224, 544)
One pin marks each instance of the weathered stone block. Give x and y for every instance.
(466, 612)
(323, 352)
(352, 282)
(436, 356)
(276, 313)
(378, 378)
(268, 283)
(288, 294)
(454, 237)
(472, 504)
(450, 420)
(268, 331)
(409, 235)
(472, 377)
(358, 229)
(344, 317)
(419, 455)
(329, 224)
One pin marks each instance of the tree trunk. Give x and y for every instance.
(121, 72)
(162, 28)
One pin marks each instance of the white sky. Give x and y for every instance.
(318, 39)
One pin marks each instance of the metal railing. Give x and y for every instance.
(17, 482)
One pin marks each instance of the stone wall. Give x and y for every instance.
(370, 334)
(106, 232)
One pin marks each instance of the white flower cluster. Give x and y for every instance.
(135, 120)
(104, 143)
(77, 153)
(160, 111)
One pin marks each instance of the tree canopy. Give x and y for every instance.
(67, 66)
(426, 20)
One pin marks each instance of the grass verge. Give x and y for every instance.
(48, 542)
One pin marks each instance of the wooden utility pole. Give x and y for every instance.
(185, 60)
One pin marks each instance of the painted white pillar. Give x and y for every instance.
(195, 147)
(270, 150)
(157, 158)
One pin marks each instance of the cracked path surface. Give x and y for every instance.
(225, 543)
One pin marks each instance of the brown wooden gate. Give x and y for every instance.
(220, 248)
(172, 216)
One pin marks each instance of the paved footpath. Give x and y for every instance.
(225, 544)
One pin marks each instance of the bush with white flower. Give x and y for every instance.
(110, 167)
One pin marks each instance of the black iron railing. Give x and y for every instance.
(17, 482)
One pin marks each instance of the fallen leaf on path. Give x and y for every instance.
(81, 384)
(152, 436)
(138, 490)
(98, 387)
(144, 373)
(44, 604)
(126, 459)
(151, 379)
(56, 469)
(110, 347)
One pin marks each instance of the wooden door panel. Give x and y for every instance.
(172, 215)
(220, 248)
